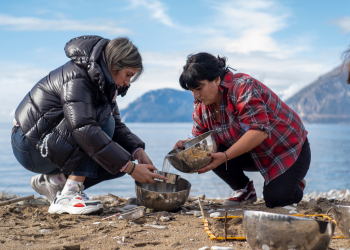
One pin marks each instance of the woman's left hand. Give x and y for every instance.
(142, 157)
(218, 159)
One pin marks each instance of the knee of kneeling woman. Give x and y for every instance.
(280, 198)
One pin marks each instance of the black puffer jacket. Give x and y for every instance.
(70, 105)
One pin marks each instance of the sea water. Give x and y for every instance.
(330, 162)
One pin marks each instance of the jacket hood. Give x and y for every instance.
(85, 49)
(85, 52)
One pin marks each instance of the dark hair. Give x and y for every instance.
(202, 66)
(346, 63)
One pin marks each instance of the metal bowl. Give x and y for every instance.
(195, 154)
(134, 213)
(163, 196)
(172, 178)
(342, 217)
(276, 231)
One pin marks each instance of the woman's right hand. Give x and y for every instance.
(143, 174)
(180, 144)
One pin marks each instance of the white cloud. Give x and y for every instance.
(15, 82)
(39, 24)
(157, 9)
(248, 26)
(343, 23)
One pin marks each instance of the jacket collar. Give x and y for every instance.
(227, 81)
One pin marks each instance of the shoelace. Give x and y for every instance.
(82, 195)
(238, 192)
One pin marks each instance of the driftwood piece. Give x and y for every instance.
(200, 205)
(28, 197)
(118, 198)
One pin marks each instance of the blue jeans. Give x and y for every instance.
(31, 159)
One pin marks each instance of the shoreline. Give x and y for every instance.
(32, 227)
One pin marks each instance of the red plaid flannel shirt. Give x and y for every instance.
(248, 104)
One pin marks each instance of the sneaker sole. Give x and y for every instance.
(235, 203)
(63, 209)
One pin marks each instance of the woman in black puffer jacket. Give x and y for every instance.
(69, 125)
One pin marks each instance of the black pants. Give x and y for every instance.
(281, 191)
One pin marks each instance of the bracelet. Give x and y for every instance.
(133, 167)
(226, 159)
(128, 168)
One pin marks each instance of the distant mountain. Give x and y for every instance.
(164, 105)
(326, 100)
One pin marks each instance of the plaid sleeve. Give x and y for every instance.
(198, 124)
(251, 107)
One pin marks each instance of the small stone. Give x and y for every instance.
(174, 244)
(216, 214)
(204, 248)
(289, 207)
(190, 212)
(211, 211)
(45, 231)
(133, 201)
(221, 209)
(192, 239)
(164, 219)
(156, 226)
(121, 218)
(197, 213)
(292, 211)
(132, 223)
(97, 223)
(221, 248)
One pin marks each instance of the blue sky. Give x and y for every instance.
(285, 44)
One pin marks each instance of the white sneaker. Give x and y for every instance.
(75, 203)
(41, 185)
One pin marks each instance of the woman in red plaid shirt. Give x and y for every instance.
(255, 130)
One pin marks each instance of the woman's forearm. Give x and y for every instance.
(247, 142)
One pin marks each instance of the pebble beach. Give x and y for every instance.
(28, 225)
